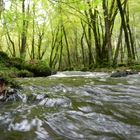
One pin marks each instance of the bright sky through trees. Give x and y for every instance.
(7, 4)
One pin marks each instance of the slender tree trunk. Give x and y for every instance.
(61, 49)
(76, 46)
(53, 45)
(130, 34)
(11, 41)
(89, 38)
(24, 31)
(67, 47)
(129, 53)
(122, 52)
(39, 45)
(1, 7)
(107, 47)
(96, 37)
(118, 47)
(9, 46)
(13, 45)
(33, 32)
(89, 46)
(82, 44)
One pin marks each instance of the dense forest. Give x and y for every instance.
(71, 34)
(69, 70)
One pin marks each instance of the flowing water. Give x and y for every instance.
(74, 106)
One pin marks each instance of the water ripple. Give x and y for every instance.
(100, 108)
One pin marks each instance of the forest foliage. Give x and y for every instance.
(71, 34)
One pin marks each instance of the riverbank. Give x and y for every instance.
(17, 67)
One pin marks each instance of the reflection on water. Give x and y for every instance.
(77, 105)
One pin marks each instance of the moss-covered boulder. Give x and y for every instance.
(3, 56)
(8, 88)
(24, 73)
(38, 68)
(17, 67)
(15, 62)
(10, 82)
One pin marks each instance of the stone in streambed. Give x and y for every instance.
(123, 73)
(8, 90)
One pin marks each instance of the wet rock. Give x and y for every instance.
(118, 74)
(53, 72)
(8, 89)
(37, 97)
(11, 95)
(129, 72)
(123, 73)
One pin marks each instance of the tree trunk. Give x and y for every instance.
(33, 32)
(67, 47)
(129, 53)
(82, 44)
(61, 49)
(53, 45)
(96, 37)
(118, 47)
(1, 7)
(107, 47)
(130, 34)
(24, 31)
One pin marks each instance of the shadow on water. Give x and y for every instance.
(74, 105)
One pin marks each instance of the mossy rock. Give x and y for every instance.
(17, 67)
(15, 62)
(9, 72)
(25, 73)
(9, 81)
(123, 73)
(3, 55)
(38, 68)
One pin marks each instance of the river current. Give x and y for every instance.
(74, 106)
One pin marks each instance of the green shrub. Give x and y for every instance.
(25, 73)
(3, 57)
(136, 67)
(122, 65)
(85, 69)
(68, 69)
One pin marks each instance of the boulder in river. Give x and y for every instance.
(8, 91)
(123, 73)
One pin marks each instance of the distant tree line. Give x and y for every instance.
(70, 34)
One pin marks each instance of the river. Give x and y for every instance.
(74, 106)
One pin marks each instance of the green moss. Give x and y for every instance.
(3, 56)
(38, 68)
(10, 81)
(15, 62)
(85, 69)
(24, 73)
(136, 67)
(17, 67)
